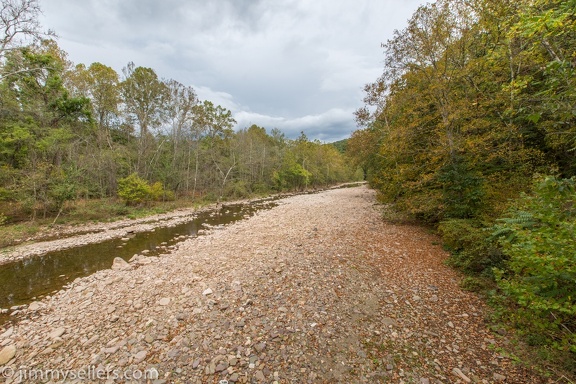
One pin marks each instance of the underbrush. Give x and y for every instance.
(525, 263)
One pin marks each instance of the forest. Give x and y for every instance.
(76, 133)
(471, 129)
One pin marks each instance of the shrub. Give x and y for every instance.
(158, 193)
(237, 190)
(134, 190)
(537, 235)
(471, 248)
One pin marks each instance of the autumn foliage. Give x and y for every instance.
(476, 101)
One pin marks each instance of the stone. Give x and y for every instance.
(119, 264)
(389, 322)
(139, 357)
(221, 366)
(111, 350)
(57, 332)
(260, 376)
(207, 292)
(34, 306)
(461, 375)
(8, 333)
(7, 353)
(164, 301)
(234, 377)
(498, 377)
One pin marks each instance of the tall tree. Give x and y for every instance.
(144, 97)
(181, 108)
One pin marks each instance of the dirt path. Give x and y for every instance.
(316, 290)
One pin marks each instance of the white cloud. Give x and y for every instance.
(305, 61)
(329, 126)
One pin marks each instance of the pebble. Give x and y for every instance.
(7, 353)
(498, 377)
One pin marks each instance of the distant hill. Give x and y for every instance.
(341, 145)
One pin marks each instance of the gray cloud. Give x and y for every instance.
(294, 64)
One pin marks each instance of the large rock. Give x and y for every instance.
(120, 264)
(7, 353)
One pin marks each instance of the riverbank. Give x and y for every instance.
(60, 237)
(315, 290)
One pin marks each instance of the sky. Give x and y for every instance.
(296, 65)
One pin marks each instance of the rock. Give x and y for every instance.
(207, 292)
(139, 357)
(57, 332)
(7, 353)
(196, 363)
(221, 366)
(234, 378)
(111, 350)
(498, 377)
(260, 376)
(119, 264)
(91, 340)
(164, 301)
(8, 333)
(461, 375)
(387, 321)
(34, 306)
(260, 347)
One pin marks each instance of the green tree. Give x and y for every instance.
(144, 97)
(44, 127)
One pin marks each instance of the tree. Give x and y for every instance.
(19, 25)
(43, 128)
(144, 97)
(217, 123)
(100, 84)
(181, 109)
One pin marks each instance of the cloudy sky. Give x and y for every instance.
(297, 65)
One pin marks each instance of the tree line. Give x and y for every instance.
(75, 131)
(471, 128)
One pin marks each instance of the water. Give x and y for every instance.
(32, 278)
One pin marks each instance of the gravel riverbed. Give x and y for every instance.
(316, 290)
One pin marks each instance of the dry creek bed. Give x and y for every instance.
(316, 290)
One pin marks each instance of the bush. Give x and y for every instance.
(237, 190)
(539, 279)
(158, 193)
(134, 190)
(471, 248)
